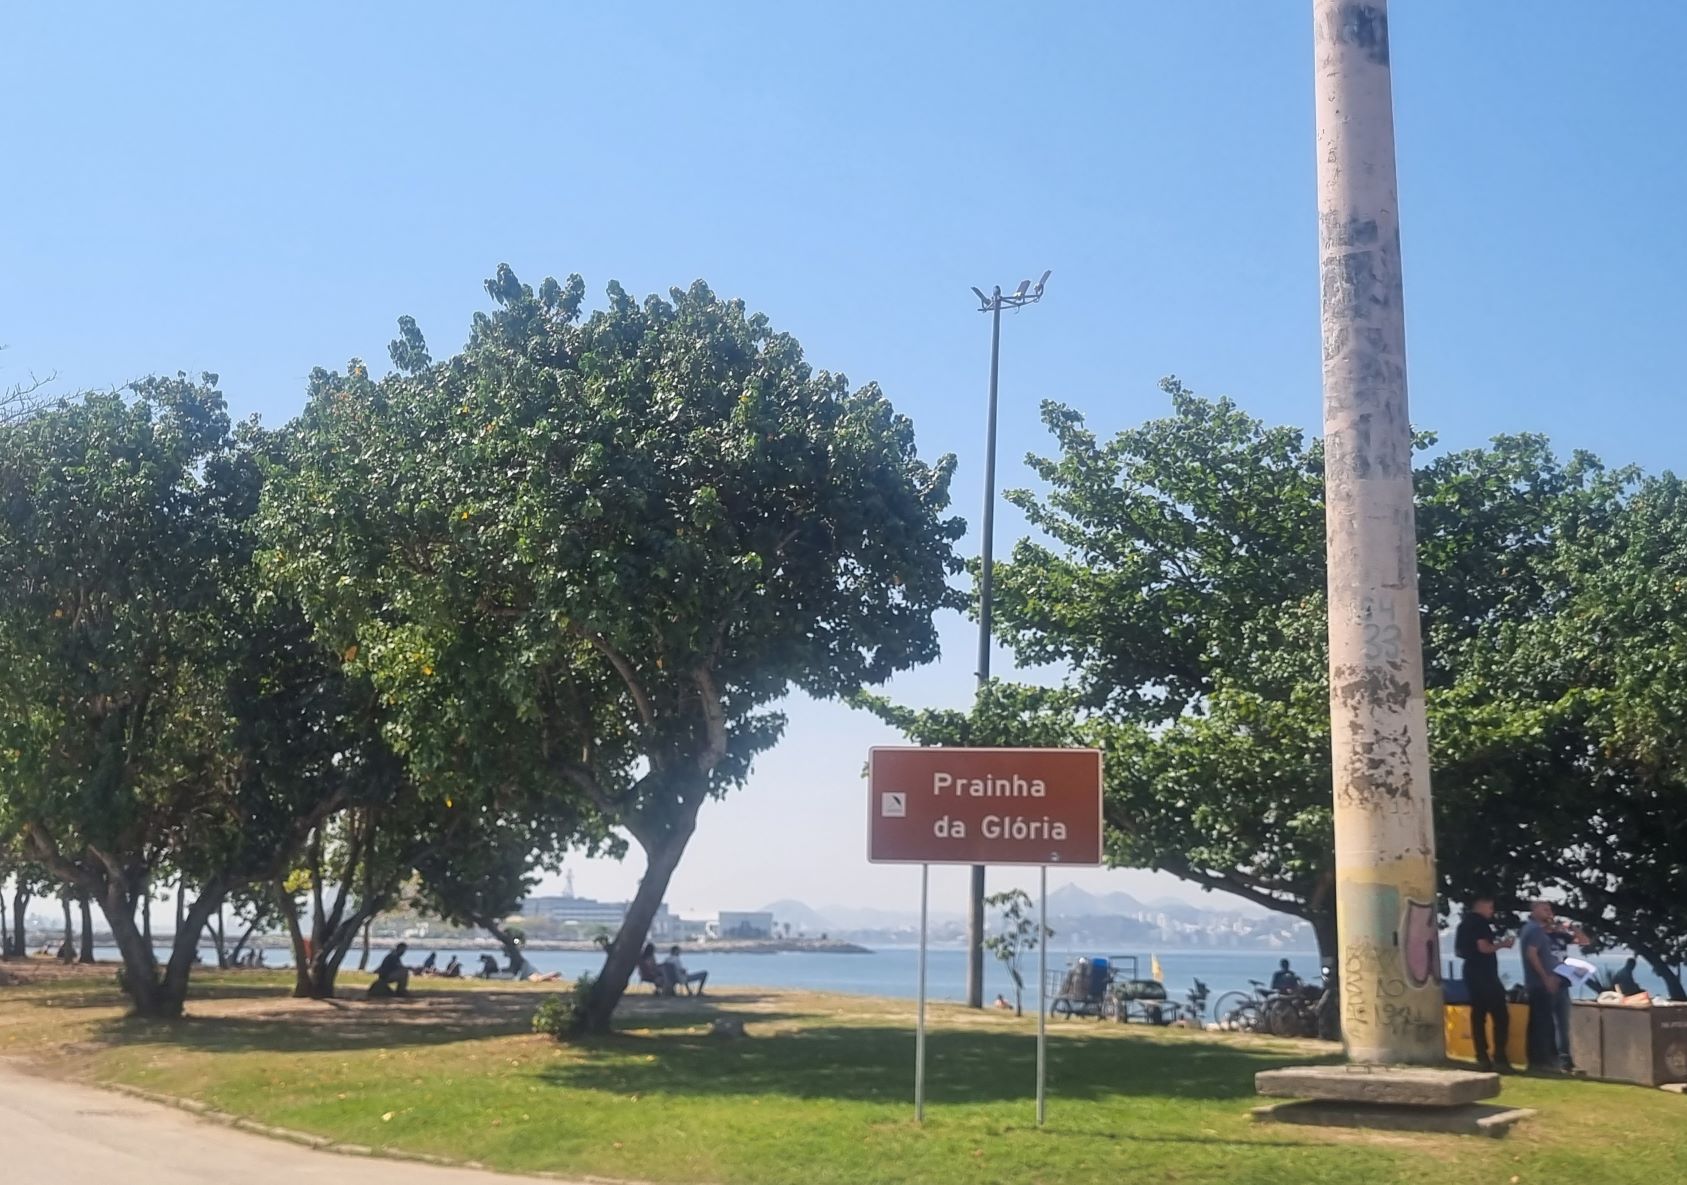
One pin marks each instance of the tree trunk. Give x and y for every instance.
(512, 948)
(1323, 923)
(329, 946)
(332, 929)
(155, 995)
(295, 934)
(20, 936)
(1670, 975)
(240, 945)
(662, 856)
(69, 926)
(1324, 931)
(363, 957)
(214, 932)
(87, 954)
(5, 934)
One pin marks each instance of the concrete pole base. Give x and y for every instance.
(1470, 1119)
(1388, 1098)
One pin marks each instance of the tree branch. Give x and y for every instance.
(714, 721)
(622, 668)
(579, 773)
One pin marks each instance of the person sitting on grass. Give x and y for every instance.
(453, 969)
(678, 977)
(427, 967)
(392, 977)
(488, 968)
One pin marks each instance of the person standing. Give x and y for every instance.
(1478, 946)
(1549, 993)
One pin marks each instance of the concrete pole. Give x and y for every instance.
(1389, 963)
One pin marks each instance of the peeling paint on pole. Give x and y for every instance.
(1385, 832)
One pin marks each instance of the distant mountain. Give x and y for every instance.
(845, 918)
(799, 915)
(1185, 910)
(1073, 902)
(1102, 914)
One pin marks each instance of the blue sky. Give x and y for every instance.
(257, 190)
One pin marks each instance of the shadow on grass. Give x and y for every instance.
(875, 1064)
(108, 995)
(353, 1022)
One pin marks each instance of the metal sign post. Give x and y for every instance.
(920, 1023)
(1031, 807)
(1042, 986)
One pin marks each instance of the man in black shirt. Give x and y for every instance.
(392, 977)
(1284, 979)
(1477, 945)
(1625, 981)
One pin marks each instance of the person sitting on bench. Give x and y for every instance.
(392, 977)
(678, 977)
(653, 973)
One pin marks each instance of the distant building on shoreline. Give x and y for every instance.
(737, 923)
(583, 917)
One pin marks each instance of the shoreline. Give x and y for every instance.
(480, 942)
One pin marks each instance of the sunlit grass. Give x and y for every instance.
(820, 1092)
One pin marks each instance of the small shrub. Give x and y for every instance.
(563, 1015)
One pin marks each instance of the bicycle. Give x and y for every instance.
(1292, 1013)
(1237, 1011)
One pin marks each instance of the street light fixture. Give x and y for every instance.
(1025, 294)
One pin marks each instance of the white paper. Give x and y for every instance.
(1575, 971)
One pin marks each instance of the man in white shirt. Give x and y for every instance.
(679, 977)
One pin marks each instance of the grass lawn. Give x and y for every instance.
(819, 1093)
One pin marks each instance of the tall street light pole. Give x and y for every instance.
(1027, 293)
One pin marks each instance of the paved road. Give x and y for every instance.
(63, 1134)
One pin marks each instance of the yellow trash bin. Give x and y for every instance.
(1457, 1026)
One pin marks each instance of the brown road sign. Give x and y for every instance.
(984, 806)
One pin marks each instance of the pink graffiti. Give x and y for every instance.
(1420, 943)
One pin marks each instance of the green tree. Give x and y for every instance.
(1182, 583)
(1570, 723)
(605, 546)
(109, 551)
(27, 881)
(158, 713)
(1017, 938)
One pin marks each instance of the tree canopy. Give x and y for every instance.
(595, 550)
(121, 520)
(1180, 579)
